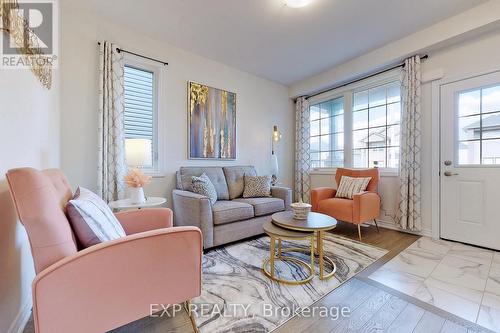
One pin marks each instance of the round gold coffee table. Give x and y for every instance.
(317, 224)
(277, 233)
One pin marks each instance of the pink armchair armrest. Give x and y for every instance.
(366, 206)
(321, 193)
(140, 220)
(106, 285)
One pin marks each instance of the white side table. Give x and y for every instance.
(126, 204)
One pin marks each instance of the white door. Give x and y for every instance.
(470, 160)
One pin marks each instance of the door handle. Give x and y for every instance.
(449, 173)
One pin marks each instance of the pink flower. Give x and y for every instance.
(137, 178)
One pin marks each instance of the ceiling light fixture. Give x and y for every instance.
(297, 3)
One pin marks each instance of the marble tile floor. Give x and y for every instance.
(461, 279)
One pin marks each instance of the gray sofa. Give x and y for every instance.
(232, 217)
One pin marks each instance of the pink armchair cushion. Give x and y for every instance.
(40, 198)
(91, 219)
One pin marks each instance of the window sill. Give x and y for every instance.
(327, 171)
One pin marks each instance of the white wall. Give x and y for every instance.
(467, 57)
(29, 136)
(260, 103)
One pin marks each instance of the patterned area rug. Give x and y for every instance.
(238, 297)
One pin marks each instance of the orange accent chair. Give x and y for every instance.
(364, 207)
(109, 284)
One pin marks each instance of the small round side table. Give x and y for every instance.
(126, 204)
(277, 233)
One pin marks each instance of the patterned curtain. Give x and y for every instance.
(111, 163)
(302, 150)
(409, 214)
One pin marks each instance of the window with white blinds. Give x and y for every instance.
(140, 113)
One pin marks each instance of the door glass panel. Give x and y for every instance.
(491, 99)
(478, 126)
(491, 151)
(469, 103)
(469, 152)
(491, 126)
(469, 128)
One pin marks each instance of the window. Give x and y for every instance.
(358, 126)
(478, 124)
(140, 103)
(376, 116)
(327, 134)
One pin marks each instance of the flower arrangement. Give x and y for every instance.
(137, 178)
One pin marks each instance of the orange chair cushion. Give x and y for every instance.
(339, 208)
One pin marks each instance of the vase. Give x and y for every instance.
(136, 195)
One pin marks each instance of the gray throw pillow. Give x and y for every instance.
(257, 186)
(202, 185)
(91, 219)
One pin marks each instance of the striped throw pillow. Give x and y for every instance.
(350, 186)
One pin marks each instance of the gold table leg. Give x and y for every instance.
(279, 247)
(271, 250)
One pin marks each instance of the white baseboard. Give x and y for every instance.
(22, 317)
(393, 226)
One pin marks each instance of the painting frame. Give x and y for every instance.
(194, 149)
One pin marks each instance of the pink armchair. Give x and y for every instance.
(364, 206)
(110, 284)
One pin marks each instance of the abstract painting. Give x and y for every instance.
(212, 122)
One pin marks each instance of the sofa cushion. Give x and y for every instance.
(264, 206)
(257, 186)
(215, 174)
(202, 185)
(235, 179)
(231, 211)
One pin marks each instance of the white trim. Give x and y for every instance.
(393, 226)
(22, 317)
(435, 158)
(384, 172)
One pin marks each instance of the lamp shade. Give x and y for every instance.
(138, 152)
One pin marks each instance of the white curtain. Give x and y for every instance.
(111, 167)
(409, 213)
(302, 150)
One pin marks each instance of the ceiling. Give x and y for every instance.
(268, 39)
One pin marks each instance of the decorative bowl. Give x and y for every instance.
(300, 210)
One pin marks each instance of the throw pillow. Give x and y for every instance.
(257, 186)
(92, 220)
(202, 185)
(349, 186)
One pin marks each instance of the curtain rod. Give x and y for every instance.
(360, 79)
(139, 55)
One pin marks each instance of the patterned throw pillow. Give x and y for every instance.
(258, 186)
(202, 185)
(349, 186)
(91, 219)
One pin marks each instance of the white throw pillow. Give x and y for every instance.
(350, 186)
(92, 220)
(202, 185)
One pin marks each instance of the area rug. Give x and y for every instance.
(238, 297)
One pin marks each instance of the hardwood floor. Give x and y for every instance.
(373, 307)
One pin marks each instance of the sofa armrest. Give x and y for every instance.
(321, 193)
(113, 283)
(140, 220)
(283, 193)
(192, 209)
(366, 206)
